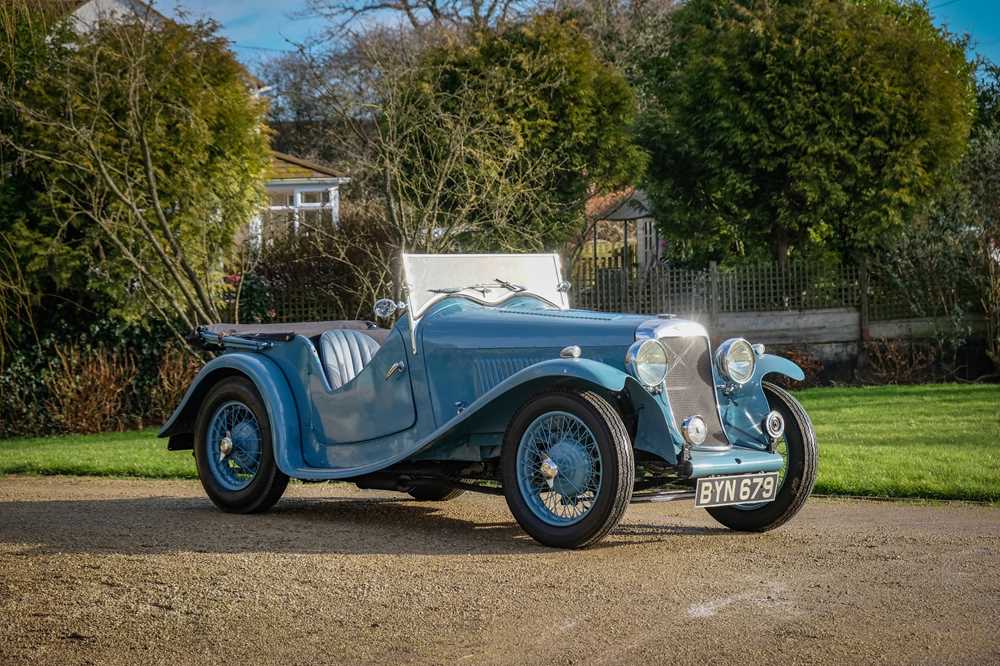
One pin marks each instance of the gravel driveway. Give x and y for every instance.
(119, 571)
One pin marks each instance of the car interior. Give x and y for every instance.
(345, 347)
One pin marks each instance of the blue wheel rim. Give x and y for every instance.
(562, 439)
(234, 446)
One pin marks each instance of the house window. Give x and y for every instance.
(315, 198)
(299, 209)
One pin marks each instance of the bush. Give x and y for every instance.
(777, 126)
(811, 366)
(88, 390)
(900, 361)
(22, 391)
(322, 272)
(177, 370)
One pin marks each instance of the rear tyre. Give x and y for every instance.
(799, 448)
(568, 468)
(435, 492)
(233, 449)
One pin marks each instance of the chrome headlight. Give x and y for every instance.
(736, 360)
(647, 361)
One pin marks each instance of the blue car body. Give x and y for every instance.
(466, 369)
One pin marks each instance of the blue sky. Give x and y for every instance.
(259, 28)
(978, 18)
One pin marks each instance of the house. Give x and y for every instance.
(301, 193)
(623, 208)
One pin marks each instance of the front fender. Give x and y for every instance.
(769, 363)
(492, 412)
(585, 370)
(270, 383)
(744, 410)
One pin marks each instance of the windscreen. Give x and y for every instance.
(488, 278)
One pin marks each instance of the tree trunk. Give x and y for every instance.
(780, 246)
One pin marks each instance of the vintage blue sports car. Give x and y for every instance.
(489, 382)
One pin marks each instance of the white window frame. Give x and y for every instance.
(331, 209)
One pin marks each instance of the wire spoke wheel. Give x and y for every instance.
(562, 442)
(234, 445)
(568, 468)
(233, 449)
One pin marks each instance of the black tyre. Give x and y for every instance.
(433, 492)
(568, 468)
(233, 449)
(798, 446)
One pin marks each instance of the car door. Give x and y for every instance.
(378, 402)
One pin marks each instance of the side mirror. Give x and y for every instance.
(386, 307)
(564, 286)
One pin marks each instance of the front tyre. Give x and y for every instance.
(568, 468)
(233, 449)
(798, 446)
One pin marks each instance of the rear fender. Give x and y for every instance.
(271, 385)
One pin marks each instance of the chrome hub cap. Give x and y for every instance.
(549, 470)
(225, 447)
(577, 468)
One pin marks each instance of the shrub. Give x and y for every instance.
(22, 391)
(811, 366)
(321, 272)
(176, 372)
(900, 361)
(88, 390)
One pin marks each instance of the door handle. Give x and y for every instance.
(394, 370)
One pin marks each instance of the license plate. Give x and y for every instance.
(742, 489)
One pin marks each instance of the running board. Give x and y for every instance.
(665, 496)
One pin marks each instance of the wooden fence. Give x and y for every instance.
(609, 286)
(797, 303)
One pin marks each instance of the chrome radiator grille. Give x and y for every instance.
(690, 386)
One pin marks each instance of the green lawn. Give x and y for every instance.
(935, 441)
(112, 454)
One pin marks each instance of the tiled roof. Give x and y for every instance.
(627, 204)
(288, 167)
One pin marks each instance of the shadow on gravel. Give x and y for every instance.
(158, 525)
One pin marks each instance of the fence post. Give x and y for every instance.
(713, 296)
(863, 314)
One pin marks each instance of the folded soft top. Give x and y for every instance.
(309, 329)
